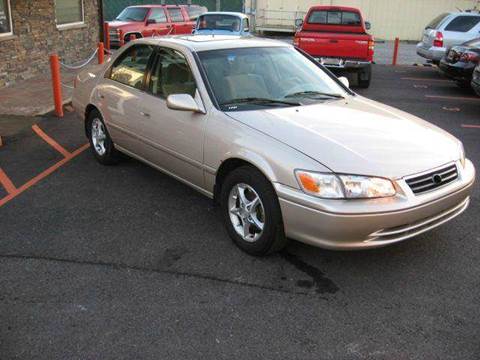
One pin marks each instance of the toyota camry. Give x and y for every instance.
(285, 147)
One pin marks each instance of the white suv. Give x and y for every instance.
(448, 30)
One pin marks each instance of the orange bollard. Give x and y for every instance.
(57, 87)
(106, 35)
(395, 51)
(101, 53)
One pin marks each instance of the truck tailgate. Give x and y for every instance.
(334, 45)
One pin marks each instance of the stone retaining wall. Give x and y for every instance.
(35, 36)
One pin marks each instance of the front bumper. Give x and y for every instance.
(362, 224)
(431, 53)
(461, 73)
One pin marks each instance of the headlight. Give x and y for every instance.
(331, 186)
(462, 155)
(321, 185)
(367, 187)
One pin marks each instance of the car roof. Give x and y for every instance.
(231, 13)
(200, 43)
(465, 13)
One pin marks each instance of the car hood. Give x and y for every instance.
(357, 136)
(116, 24)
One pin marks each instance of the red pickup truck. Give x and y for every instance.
(337, 38)
(153, 20)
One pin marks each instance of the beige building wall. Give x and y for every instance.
(390, 18)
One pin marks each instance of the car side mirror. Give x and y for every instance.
(368, 25)
(182, 102)
(344, 81)
(298, 22)
(151, 21)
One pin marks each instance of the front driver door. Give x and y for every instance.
(175, 138)
(157, 23)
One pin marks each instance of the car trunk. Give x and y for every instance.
(335, 45)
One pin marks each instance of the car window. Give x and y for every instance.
(195, 11)
(278, 73)
(171, 75)
(133, 14)
(219, 22)
(175, 14)
(334, 18)
(158, 14)
(130, 67)
(463, 23)
(435, 23)
(246, 26)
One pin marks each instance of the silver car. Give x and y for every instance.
(445, 31)
(285, 148)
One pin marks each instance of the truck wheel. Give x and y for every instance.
(365, 77)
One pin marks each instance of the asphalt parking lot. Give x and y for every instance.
(124, 262)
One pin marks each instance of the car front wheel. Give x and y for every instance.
(251, 212)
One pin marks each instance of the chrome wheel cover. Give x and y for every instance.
(99, 136)
(246, 212)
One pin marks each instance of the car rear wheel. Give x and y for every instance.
(100, 141)
(251, 212)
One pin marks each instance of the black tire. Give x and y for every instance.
(365, 77)
(111, 156)
(464, 85)
(272, 237)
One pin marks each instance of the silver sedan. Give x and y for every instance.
(285, 148)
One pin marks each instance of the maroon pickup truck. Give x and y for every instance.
(153, 20)
(337, 38)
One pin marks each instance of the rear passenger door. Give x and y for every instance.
(461, 29)
(180, 25)
(120, 95)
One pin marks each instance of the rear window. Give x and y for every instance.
(195, 11)
(334, 18)
(175, 14)
(435, 23)
(219, 22)
(463, 23)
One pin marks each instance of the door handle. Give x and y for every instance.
(144, 114)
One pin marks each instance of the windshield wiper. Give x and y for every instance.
(260, 101)
(314, 94)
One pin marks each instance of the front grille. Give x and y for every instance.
(114, 38)
(432, 180)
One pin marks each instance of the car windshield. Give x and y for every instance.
(252, 78)
(133, 14)
(219, 22)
